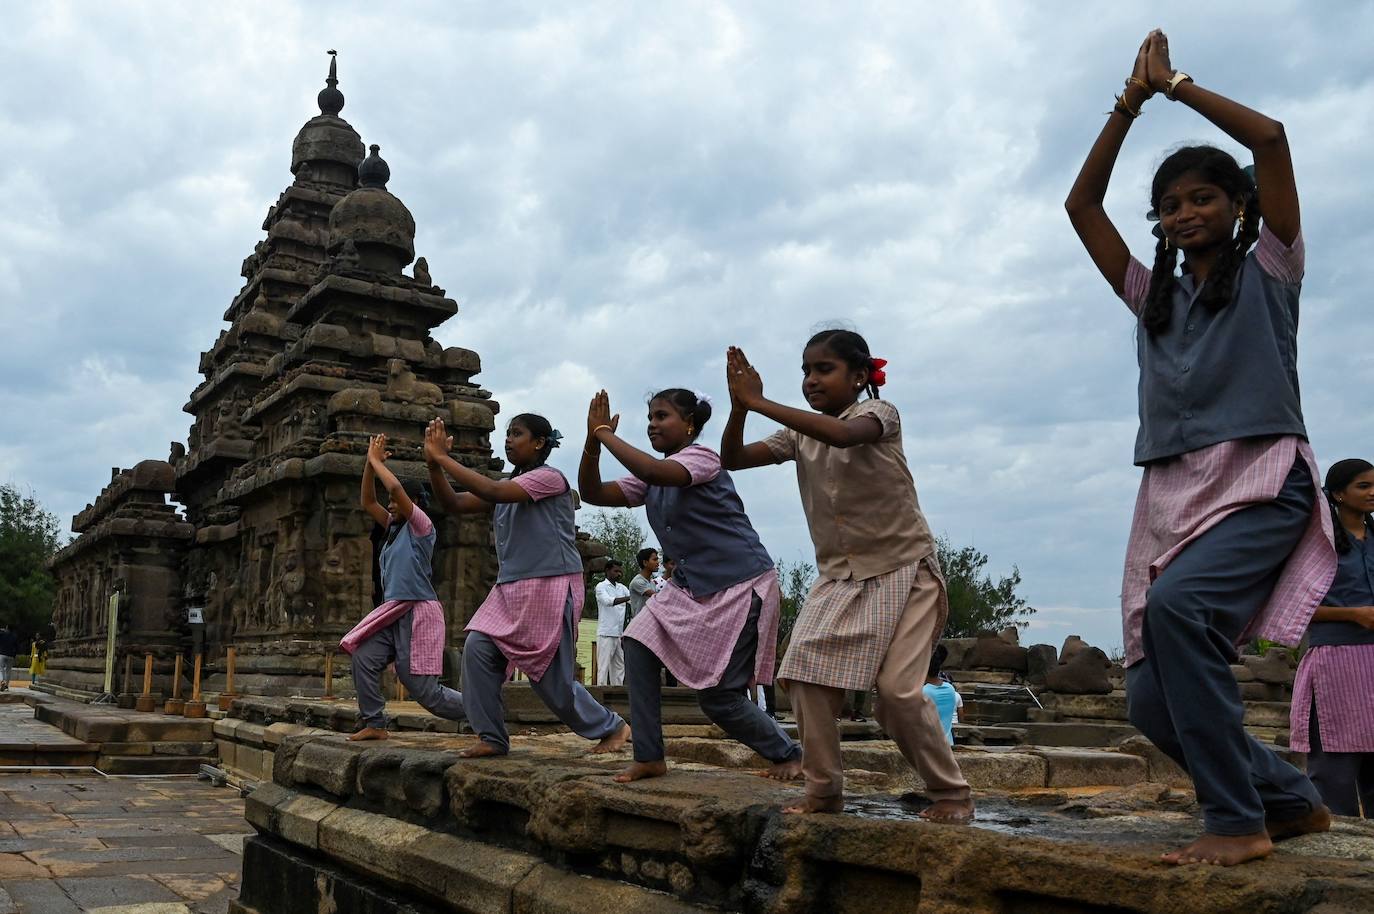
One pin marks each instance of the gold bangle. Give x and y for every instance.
(1125, 108)
(1137, 81)
(599, 428)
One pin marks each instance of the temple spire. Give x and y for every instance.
(331, 100)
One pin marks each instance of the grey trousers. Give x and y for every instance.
(484, 673)
(726, 704)
(1344, 779)
(1183, 696)
(6, 670)
(370, 659)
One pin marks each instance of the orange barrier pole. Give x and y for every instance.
(329, 675)
(175, 704)
(195, 707)
(145, 701)
(226, 698)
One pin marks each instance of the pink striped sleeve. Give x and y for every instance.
(633, 488)
(702, 463)
(419, 521)
(542, 482)
(1136, 289)
(1286, 263)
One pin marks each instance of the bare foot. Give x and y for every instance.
(816, 804)
(369, 733)
(949, 812)
(481, 750)
(786, 770)
(1222, 850)
(640, 770)
(1318, 820)
(613, 743)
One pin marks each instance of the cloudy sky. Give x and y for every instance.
(614, 192)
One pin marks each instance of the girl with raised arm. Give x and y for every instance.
(408, 628)
(1230, 540)
(1332, 715)
(879, 605)
(529, 620)
(714, 624)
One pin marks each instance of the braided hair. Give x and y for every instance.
(691, 407)
(538, 427)
(1342, 474)
(851, 349)
(1215, 167)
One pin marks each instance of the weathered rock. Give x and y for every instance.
(991, 652)
(1276, 667)
(1072, 645)
(1085, 673)
(1040, 659)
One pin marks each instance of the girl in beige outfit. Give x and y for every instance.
(879, 606)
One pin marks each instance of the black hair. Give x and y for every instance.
(849, 348)
(1341, 474)
(695, 410)
(612, 563)
(1215, 167)
(538, 427)
(645, 554)
(937, 660)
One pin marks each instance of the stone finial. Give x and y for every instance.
(374, 172)
(331, 100)
(422, 272)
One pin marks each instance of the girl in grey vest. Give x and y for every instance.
(714, 625)
(408, 627)
(1228, 541)
(529, 620)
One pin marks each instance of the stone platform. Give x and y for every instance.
(408, 826)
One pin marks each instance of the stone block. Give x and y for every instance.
(1266, 714)
(259, 807)
(298, 818)
(1088, 707)
(1040, 659)
(227, 728)
(1069, 768)
(549, 890)
(330, 764)
(227, 749)
(994, 769)
(992, 652)
(1161, 768)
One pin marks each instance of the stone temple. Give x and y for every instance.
(328, 342)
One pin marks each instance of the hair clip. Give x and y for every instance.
(555, 438)
(702, 398)
(876, 376)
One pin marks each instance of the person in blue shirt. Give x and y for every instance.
(942, 691)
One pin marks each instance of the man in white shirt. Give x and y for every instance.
(611, 597)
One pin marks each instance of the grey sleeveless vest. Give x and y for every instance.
(406, 568)
(536, 539)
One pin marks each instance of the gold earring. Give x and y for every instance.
(691, 430)
(1240, 214)
(1166, 242)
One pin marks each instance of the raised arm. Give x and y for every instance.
(734, 453)
(1262, 135)
(482, 491)
(590, 486)
(746, 389)
(1084, 203)
(369, 495)
(655, 471)
(376, 463)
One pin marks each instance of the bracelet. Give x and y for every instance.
(1178, 79)
(1137, 81)
(1125, 108)
(599, 428)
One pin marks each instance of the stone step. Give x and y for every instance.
(154, 764)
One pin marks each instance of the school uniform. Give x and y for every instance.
(714, 625)
(878, 608)
(1229, 541)
(529, 620)
(1332, 715)
(408, 628)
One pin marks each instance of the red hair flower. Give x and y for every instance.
(876, 376)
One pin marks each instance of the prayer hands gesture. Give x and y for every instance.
(599, 415)
(1141, 70)
(438, 442)
(746, 385)
(1158, 70)
(376, 450)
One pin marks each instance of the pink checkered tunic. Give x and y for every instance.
(1183, 497)
(426, 619)
(525, 618)
(694, 638)
(1340, 677)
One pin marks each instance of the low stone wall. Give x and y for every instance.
(408, 826)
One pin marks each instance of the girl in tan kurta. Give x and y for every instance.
(879, 606)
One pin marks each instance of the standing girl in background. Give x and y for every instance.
(1229, 540)
(1332, 715)
(529, 620)
(714, 624)
(408, 628)
(879, 605)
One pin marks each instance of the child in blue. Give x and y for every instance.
(1228, 541)
(529, 620)
(942, 691)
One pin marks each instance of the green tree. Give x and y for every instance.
(978, 604)
(619, 531)
(796, 579)
(28, 536)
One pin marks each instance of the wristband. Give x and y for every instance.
(1175, 81)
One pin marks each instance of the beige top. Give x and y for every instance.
(860, 502)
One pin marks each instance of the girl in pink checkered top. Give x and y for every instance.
(879, 605)
(529, 620)
(1230, 539)
(715, 624)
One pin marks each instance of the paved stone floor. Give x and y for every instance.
(85, 843)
